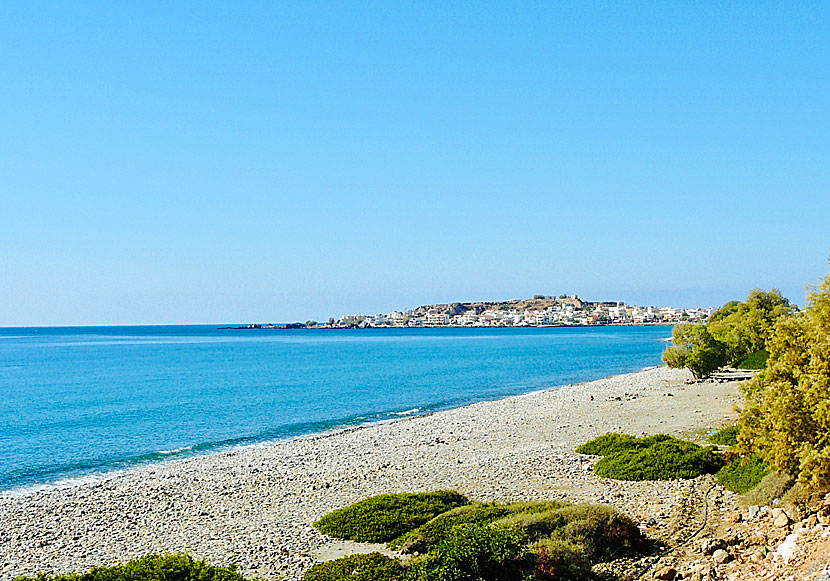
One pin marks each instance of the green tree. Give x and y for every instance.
(693, 346)
(745, 327)
(787, 416)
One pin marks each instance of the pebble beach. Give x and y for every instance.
(255, 506)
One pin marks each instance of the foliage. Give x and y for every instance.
(476, 552)
(773, 485)
(176, 567)
(745, 327)
(536, 525)
(607, 444)
(602, 531)
(726, 437)
(433, 532)
(659, 457)
(742, 473)
(787, 416)
(384, 517)
(737, 332)
(756, 360)
(693, 346)
(557, 559)
(368, 567)
(500, 542)
(614, 442)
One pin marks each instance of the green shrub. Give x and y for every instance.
(538, 524)
(557, 560)
(725, 437)
(665, 460)
(602, 530)
(492, 541)
(433, 532)
(176, 567)
(607, 444)
(476, 552)
(785, 419)
(612, 443)
(368, 567)
(756, 360)
(382, 518)
(743, 473)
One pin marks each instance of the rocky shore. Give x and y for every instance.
(254, 507)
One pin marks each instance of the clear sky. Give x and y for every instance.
(175, 162)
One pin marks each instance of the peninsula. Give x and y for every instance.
(539, 311)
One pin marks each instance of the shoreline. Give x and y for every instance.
(393, 416)
(254, 505)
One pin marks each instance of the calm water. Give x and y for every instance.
(76, 402)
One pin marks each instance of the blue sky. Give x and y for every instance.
(210, 162)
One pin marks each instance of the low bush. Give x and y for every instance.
(613, 442)
(667, 459)
(433, 532)
(600, 529)
(756, 360)
(742, 473)
(606, 444)
(557, 560)
(176, 567)
(536, 525)
(726, 437)
(380, 519)
(500, 542)
(476, 552)
(603, 531)
(772, 486)
(368, 567)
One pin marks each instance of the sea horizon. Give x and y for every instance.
(88, 413)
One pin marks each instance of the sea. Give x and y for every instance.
(80, 403)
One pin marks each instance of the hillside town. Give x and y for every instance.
(540, 311)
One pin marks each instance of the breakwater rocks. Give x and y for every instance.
(254, 507)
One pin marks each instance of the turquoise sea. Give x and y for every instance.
(81, 401)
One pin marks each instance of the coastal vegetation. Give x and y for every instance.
(754, 361)
(175, 567)
(728, 436)
(742, 473)
(662, 457)
(658, 457)
(784, 427)
(379, 519)
(786, 420)
(737, 333)
(360, 567)
(506, 541)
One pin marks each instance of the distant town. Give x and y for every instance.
(539, 311)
